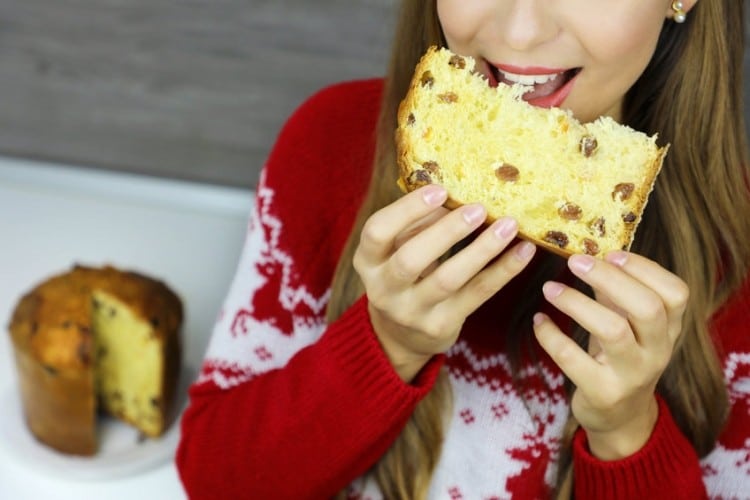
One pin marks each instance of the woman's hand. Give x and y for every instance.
(634, 323)
(417, 304)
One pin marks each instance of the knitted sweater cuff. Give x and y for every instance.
(667, 464)
(355, 347)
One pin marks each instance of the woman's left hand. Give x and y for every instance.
(634, 323)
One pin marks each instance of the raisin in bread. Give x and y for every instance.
(574, 188)
(91, 340)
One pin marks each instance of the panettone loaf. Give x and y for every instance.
(573, 187)
(96, 339)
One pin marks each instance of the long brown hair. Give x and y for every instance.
(696, 223)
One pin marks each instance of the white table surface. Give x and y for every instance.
(187, 234)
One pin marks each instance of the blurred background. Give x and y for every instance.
(187, 89)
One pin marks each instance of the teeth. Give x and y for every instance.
(528, 79)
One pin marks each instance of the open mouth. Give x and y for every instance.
(545, 89)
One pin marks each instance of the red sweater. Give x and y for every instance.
(287, 407)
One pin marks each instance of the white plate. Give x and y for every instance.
(122, 452)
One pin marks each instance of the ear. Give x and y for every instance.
(686, 6)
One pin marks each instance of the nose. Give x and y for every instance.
(526, 23)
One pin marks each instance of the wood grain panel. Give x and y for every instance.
(192, 89)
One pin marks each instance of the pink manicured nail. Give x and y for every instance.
(539, 319)
(505, 227)
(617, 258)
(581, 263)
(552, 289)
(525, 250)
(473, 214)
(434, 195)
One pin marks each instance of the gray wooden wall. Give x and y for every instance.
(193, 89)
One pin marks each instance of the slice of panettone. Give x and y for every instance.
(573, 187)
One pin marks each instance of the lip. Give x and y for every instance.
(527, 70)
(548, 101)
(556, 98)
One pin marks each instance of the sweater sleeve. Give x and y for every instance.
(304, 431)
(286, 405)
(666, 467)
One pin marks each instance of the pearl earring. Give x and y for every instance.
(679, 14)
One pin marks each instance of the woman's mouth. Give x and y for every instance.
(547, 87)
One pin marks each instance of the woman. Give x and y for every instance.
(353, 358)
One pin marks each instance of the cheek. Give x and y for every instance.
(626, 37)
(618, 53)
(635, 45)
(459, 20)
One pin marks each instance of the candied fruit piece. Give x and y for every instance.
(457, 62)
(588, 145)
(557, 238)
(431, 166)
(419, 178)
(570, 211)
(590, 246)
(507, 173)
(427, 79)
(449, 97)
(597, 226)
(623, 191)
(629, 217)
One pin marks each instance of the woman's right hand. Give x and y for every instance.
(417, 305)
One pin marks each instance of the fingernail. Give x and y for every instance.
(617, 258)
(552, 289)
(581, 263)
(538, 319)
(525, 250)
(505, 227)
(473, 214)
(434, 195)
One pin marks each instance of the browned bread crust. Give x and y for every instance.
(56, 352)
(574, 188)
